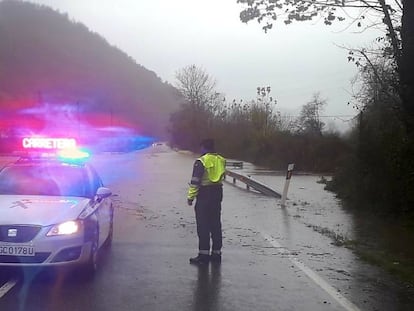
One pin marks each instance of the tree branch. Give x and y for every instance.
(380, 80)
(398, 3)
(393, 35)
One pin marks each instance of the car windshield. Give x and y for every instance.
(59, 180)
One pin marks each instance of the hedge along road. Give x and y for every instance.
(271, 259)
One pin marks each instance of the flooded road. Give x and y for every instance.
(274, 258)
(386, 243)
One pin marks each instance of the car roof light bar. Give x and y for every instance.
(48, 143)
(44, 148)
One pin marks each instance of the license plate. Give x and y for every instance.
(16, 250)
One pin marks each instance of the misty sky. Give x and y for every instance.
(296, 61)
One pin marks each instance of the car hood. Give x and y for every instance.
(39, 210)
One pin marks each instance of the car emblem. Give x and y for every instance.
(11, 233)
(19, 204)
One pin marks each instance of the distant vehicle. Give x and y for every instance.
(159, 144)
(54, 210)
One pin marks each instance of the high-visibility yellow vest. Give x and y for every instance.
(214, 167)
(214, 170)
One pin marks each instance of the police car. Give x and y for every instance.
(54, 209)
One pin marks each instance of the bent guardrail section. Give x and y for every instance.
(253, 184)
(235, 164)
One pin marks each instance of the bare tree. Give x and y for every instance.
(196, 86)
(262, 114)
(309, 120)
(197, 114)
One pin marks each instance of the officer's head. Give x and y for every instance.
(207, 145)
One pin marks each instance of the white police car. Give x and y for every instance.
(53, 211)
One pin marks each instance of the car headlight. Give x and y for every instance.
(66, 228)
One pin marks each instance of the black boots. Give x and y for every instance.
(201, 259)
(215, 257)
(204, 259)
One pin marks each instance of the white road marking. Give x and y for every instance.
(7, 287)
(348, 305)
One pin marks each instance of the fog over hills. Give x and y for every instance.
(54, 71)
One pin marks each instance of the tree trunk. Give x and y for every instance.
(406, 69)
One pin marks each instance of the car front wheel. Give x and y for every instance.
(108, 241)
(89, 269)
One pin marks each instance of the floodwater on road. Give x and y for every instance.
(313, 228)
(384, 242)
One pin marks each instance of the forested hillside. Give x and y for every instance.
(50, 64)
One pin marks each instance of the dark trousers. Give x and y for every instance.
(208, 217)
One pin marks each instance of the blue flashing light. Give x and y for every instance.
(73, 155)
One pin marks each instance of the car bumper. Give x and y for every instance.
(51, 251)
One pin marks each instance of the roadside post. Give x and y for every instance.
(285, 189)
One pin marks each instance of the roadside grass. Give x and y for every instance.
(395, 263)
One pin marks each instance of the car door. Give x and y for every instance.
(103, 208)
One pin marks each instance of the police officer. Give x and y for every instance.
(206, 186)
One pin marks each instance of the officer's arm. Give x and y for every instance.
(198, 171)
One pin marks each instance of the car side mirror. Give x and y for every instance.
(103, 193)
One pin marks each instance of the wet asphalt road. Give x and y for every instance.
(272, 260)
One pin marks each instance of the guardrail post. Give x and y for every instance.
(285, 189)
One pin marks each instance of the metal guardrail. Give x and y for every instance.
(238, 164)
(253, 184)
